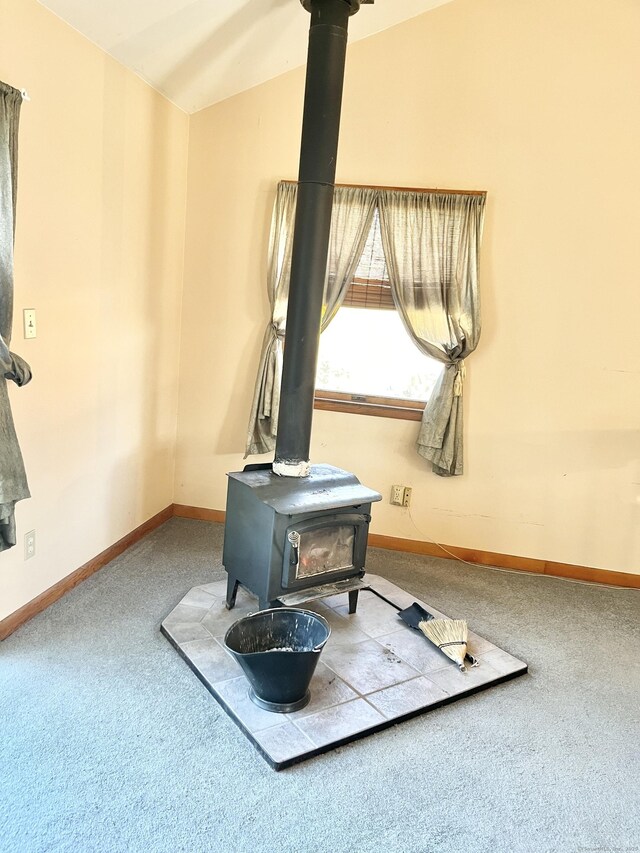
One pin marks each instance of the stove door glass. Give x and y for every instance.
(326, 549)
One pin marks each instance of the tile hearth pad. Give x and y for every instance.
(374, 672)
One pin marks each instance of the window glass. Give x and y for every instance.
(368, 352)
(326, 549)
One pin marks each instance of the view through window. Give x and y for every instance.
(367, 362)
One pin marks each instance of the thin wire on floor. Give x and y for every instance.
(514, 571)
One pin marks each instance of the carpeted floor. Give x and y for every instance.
(109, 743)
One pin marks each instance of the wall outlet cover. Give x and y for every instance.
(29, 544)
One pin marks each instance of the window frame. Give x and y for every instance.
(364, 404)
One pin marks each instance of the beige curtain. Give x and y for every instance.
(431, 243)
(13, 480)
(351, 217)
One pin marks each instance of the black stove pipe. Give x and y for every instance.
(320, 127)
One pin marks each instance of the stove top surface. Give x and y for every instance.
(326, 487)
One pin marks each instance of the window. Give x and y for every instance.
(367, 362)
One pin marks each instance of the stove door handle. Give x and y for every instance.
(294, 554)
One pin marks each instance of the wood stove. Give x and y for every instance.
(285, 535)
(291, 526)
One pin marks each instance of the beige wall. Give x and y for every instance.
(99, 255)
(536, 102)
(533, 101)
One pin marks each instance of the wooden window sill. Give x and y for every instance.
(381, 407)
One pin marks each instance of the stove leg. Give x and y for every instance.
(265, 604)
(353, 600)
(232, 591)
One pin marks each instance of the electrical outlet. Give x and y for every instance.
(397, 495)
(29, 544)
(400, 495)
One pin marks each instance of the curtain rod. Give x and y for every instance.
(408, 189)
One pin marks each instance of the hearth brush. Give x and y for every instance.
(449, 635)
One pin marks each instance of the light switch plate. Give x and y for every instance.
(29, 316)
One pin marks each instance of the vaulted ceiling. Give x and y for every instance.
(198, 52)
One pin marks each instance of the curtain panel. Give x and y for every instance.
(13, 480)
(352, 214)
(263, 420)
(431, 243)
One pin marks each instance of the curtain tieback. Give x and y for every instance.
(19, 372)
(461, 372)
(277, 333)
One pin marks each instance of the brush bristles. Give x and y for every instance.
(449, 635)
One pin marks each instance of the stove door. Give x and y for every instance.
(324, 548)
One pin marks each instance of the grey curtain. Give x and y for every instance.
(351, 218)
(263, 420)
(353, 209)
(13, 481)
(431, 243)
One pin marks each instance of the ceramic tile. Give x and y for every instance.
(367, 666)
(339, 600)
(415, 649)
(218, 620)
(478, 645)
(384, 587)
(284, 742)
(390, 591)
(318, 606)
(342, 629)
(183, 632)
(197, 597)
(453, 682)
(183, 614)
(406, 697)
(199, 650)
(374, 616)
(398, 596)
(501, 661)
(236, 695)
(340, 722)
(326, 689)
(219, 590)
(211, 660)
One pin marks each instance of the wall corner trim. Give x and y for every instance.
(18, 618)
(199, 513)
(494, 560)
(392, 543)
(491, 559)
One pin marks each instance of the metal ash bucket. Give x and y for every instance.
(278, 650)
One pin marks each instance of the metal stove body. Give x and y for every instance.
(286, 535)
